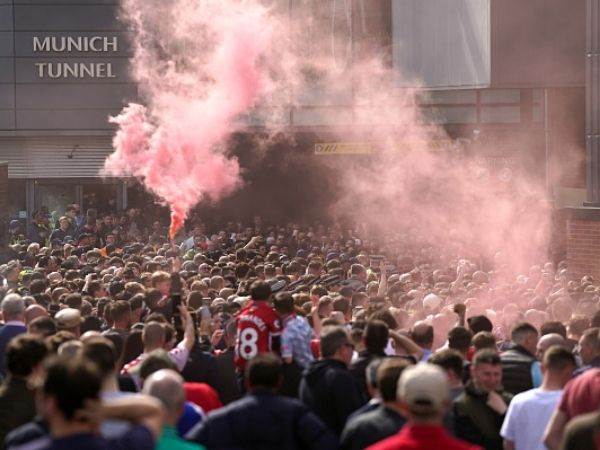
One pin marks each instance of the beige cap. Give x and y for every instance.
(424, 388)
(68, 318)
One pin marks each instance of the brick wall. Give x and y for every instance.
(583, 243)
(558, 238)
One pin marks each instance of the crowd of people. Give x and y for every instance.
(286, 337)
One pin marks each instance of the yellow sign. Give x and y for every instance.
(343, 148)
(366, 148)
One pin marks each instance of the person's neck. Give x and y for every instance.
(120, 326)
(481, 389)
(171, 420)
(553, 382)
(339, 359)
(522, 347)
(393, 406)
(15, 319)
(261, 390)
(60, 428)
(110, 384)
(433, 422)
(593, 358)
(455, 383)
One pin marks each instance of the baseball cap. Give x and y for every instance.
(424, 388)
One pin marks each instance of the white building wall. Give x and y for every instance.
(442, 44)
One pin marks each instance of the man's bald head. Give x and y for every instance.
(547, 341)
(167, 386)
(35, 311)
(89, 335)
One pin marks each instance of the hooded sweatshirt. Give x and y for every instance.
(332, 392)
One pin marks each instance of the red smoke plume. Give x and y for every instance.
(204, 65)
(198, 67)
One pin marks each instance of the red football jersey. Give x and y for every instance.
(256, 326)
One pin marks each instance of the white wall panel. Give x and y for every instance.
(442, 44)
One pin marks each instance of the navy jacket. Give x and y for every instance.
(263, 421)
(358, 368)
(332, 392)
(7, 332)
(201, 367)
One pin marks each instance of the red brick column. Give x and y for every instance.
(583, 243)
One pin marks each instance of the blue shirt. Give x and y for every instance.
(192, 415)
(536, 374)
(295, 340)
(426, 355)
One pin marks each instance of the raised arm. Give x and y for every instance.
(383, 283)
(407, 344)
(189, 335)
(139, 409)
(555, 429)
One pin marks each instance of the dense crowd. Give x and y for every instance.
(286, 337)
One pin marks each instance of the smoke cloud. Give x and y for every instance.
(198, 67)
(203, 66)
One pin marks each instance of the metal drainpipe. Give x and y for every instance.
(547, 146)
(592, 102)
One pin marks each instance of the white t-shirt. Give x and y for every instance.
(527, 417)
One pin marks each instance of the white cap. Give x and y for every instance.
(424, 388)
